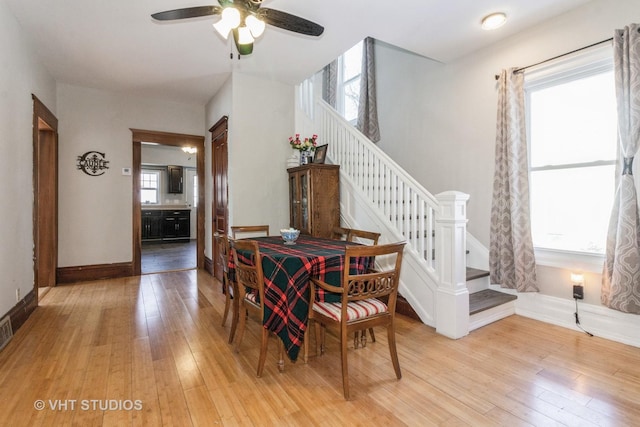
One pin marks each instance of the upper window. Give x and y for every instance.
(348, 93)
(149, 185)
(572, 131)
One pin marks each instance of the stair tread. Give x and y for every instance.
(486, 299)
(478, 301)
(475, 273)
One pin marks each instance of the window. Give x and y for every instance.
(572, 132)
(349, 71)
(149, 185)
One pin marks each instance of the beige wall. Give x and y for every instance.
(260, 122)
(21, 74)
(95, 213)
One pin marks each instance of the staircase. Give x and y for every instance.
(485, 305)
(376, 194)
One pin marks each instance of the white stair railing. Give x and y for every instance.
(434, 283)
(396, 195)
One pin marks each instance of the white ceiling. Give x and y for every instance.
(116, 45)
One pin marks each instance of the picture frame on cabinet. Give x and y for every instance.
(321, 154)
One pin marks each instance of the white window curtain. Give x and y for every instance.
(621, 275)
(511, 256)
(367, 106)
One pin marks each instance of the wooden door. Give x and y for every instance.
(219, 162)
(45, 189)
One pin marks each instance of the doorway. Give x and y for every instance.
(171, 220)
(169, 208)
(45, 191)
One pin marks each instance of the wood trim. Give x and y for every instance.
(44, 113)
(136, 209)
(166, 138)
(94, 272)
(219, 141)
(200, 212)
(219, 122)
(208, 265)
(45, 201)
(176, 140)
(22, 310)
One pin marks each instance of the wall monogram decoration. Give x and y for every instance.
(93, 163)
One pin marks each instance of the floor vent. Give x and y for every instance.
(6, 333)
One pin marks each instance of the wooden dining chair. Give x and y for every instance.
(251, 230)
(360, 307)
(250, 286)
(229, 287)
(371, 238)
(340, 233)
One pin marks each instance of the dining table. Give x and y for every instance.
(287, 271)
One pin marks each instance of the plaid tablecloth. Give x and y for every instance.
(287, 269)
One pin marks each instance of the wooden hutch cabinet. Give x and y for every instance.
(314, 199)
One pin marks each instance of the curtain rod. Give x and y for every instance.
(559, 56)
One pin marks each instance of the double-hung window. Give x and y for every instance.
(572, 134)
(149, 186)
(348, 93)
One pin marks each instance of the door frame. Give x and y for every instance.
(45, 131)
(218, 130)
(176, 140)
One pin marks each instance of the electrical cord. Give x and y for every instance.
(578, 320)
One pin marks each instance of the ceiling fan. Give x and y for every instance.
(245, 19)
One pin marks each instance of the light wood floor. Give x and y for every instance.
(156, 342)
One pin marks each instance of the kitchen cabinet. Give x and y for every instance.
(314, 199)
(166, 225)
(177, 224)
(151, 225)
(175, 178)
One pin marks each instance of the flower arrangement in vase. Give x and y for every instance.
(305, 146)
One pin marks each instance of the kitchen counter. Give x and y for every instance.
(164, 207)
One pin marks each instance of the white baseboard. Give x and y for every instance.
(600, 321)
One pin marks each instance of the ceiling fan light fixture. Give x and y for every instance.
(232, 16)
(244, 35)
(222, 28)
(256, 25)
(245, 19)
(493, 21)
(230, 19)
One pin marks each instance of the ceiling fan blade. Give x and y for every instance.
(290, 22)
(189, 12)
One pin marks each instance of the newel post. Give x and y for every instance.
(452, 297)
